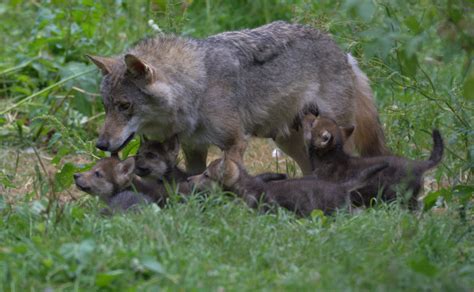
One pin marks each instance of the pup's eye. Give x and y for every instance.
(98, 174)
(124, 106)
(150, 155)
(205, 175)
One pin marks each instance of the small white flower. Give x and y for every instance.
(276, 153)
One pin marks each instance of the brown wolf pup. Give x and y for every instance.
(301, 195)
(114, 182)
(158, 161)
(325, 140)
(230, 86)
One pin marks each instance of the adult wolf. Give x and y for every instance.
(227, 87)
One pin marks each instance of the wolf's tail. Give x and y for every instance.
(436, 153)
(369, 138)
(364, 176)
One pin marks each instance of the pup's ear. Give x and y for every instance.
(326, 136)
(347, 132)
(230, 171)
(139, 68)
(103, 63)
(125, 168)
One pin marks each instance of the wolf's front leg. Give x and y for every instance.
(237, 150)
(195, 158)
(293, 145)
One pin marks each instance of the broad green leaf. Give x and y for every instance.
(430, 200)
(423, 266)
(105, 279)
(468, 87)
(64, 177)
(131, 148)
(153, 266)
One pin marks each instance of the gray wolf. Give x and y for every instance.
(325, 140)
(228, 87)
(301, 195)
(112, 181)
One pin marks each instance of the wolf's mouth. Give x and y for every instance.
(125, 142)
(140, 171)
(83, 188)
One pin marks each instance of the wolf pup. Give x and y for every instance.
(159, 161)
(325, 140)
(301, 195)
(230, 86)
(113, 182)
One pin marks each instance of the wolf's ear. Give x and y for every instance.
(138, 68)
(347, 132)
(126, 168)
(103, 63)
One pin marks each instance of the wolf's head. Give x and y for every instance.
(223, 171)
(150, 90)
(155, 159)
(323, 134)
(136, 97)
(108, 177)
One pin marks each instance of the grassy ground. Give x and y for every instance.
(218, 244)
(419, 59)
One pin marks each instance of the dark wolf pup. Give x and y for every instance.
(325, 140)
(114, 182)
(301, 195)
(230, 86)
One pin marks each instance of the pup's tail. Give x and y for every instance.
(369, 138)
(364, 176)
(436, 153)
(269, 176)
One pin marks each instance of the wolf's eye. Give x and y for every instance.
(205, 175)
(150, 155)
(124, 106)
(98, 174)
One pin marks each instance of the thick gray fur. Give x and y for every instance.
(227, 87)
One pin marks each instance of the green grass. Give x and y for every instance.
(207, 244)
(419, 58)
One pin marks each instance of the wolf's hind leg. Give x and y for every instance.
(195, 159)
(293, 145)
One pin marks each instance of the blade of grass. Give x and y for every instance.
(18, 67)
(28, 98)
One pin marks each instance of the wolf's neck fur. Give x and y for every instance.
(181, 62)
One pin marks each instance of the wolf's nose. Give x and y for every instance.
(76, 175)
(102, 145)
